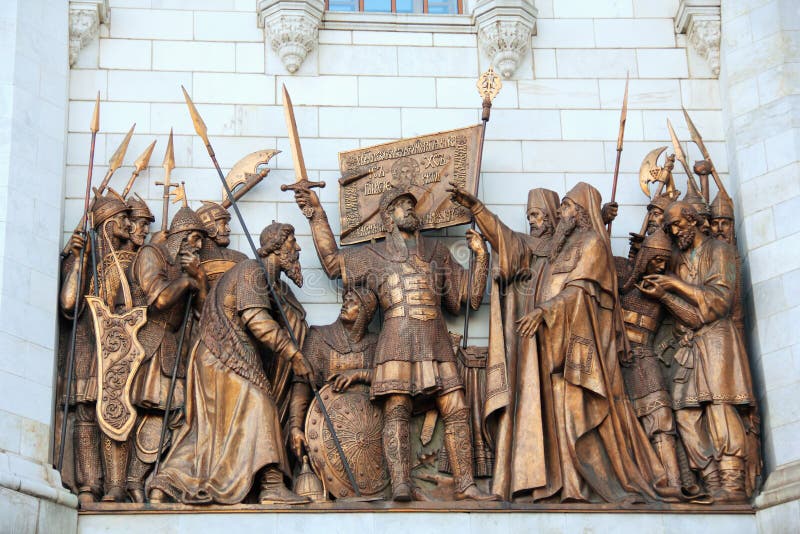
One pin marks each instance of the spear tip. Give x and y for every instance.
(169, 155)
(143, 160)
(116, 160)
(95, 124)
(197, 120)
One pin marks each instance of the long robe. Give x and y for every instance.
(232, 426)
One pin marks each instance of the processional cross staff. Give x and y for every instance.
(202, 131)
(489, 85)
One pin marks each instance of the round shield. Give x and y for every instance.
(359, 426)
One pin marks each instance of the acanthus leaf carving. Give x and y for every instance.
(505, 28)
(700, 21)
(84, 24)
(291, 28)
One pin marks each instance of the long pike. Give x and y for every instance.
(202, 131)
(698, 140)
(94, 127)
(622, 118)
(138, 166)
(168, 164)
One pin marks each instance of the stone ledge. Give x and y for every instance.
(782, 485)
(379, 507)
(31, 478)
(411, 22)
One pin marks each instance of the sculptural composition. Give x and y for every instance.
(188, 372)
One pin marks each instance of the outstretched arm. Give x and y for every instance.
(324, 241)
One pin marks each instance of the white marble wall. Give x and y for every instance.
(761, 81)
(33, 110)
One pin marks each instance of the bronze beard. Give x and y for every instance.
(544, 230)
(290, 264)
(685, 238)
(565, 227)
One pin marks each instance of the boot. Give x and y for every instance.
(137, 473)
(688, 478)
(88, 470)
(274, 491)
(396, 447)
(711, 479)
(665, 447)
(115, 464)
(458, 442)
(732, 479)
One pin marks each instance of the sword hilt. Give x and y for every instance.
(302, 185)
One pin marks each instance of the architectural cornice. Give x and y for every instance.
(85, 18)
(291, 28)
(700, 21)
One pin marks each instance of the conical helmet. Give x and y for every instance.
(106, 206)
(658, 241)
(139, 208)
(186, 220)
(722, 207)
(694, 198)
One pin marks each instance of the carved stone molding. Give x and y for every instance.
(292, 28)
(505, 28)
(700, 21)
(85, 19)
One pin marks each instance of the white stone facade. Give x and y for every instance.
(369, 78)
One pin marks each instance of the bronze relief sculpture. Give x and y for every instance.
(195, 377)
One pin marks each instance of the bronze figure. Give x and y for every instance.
(162, 276)
(712, 391)
(412, 276)
(341, 356)
(232, 430)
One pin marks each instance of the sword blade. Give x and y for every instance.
(294, 138)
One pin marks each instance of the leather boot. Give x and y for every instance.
(274, 491)
(712, 480)
(137, 473)
(732, 479)
(665, 447)
(115, 465)
(458, 442)
(396, 448)
(88, 470)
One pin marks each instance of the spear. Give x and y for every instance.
(202, 131)
(94, 127)
(698, 140)
(139, 165)
(676, 147)
(622, 118)
(169, 164)
(489, 85)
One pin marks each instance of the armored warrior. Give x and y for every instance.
(712, 392)
(141, 219)
(641, 369)
(215, 256)
(341, 353)
(229, 393)
(162, 276)
(96, 456)
(722, 228)
(414, 358)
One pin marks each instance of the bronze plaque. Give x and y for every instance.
(428, 162)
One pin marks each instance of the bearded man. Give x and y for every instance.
(99, 462)
(712, 391)
(141, 219)
(233, 430)
(594, 446)
(414, 358)
(519, 260)
(162, 277)
(215, 256)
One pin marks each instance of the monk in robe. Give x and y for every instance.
(595, 448)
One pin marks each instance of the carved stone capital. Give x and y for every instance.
(700, 21)
(291, 27)
(85, 19)
(505, 28)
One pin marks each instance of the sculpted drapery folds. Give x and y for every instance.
(232, 430)
(413, 277)
(712, 391)
(512, 390)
